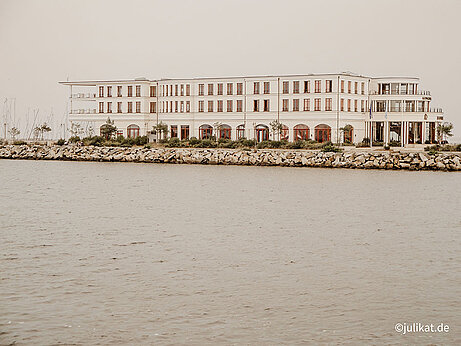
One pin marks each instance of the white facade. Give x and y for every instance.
(312, 106)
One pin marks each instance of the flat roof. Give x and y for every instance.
(144, 80)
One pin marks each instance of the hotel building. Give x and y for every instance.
(342, 107)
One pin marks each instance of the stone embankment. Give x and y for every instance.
(261, 157)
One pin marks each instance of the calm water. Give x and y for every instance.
(101, 253)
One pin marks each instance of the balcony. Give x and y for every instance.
(402, 92)
(83, 96)
(83, 111)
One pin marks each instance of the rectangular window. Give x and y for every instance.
(307, 87)
(176, 90)
(130, 91)
(101, 107)
(210, 89)
(220, 104)
(239, 105)
(255, 105)
(239, 88)
(220, 88)
(119, 107)
(174, 131)
(307, 105)
(171, 106)
(187, 89)
(119, 91)
(342, 86)
(184, 131)
(356, 87)
(187, 106)
(109, 107)
(166, 90)
(286, 87)
(181, 109)
(153, 90)
(119, 133)
(138, 90)
(210, 105)
(153, 107)
(176, 106)
(317, 104)
(328, 104)
(256, 87)
(201, 106)
(295, 87)
(267, 87)
(229, 105)
(348, 105)
(342, 105)
(266, 106)
(130, 107)
(138, 107)
(109, 91)
(201, 89)
(328, 86)
(182, 89)
(295, 105)
(355, 105)
(171, 90)
(318, 86)
(230, 90)
(101, 91)
(285, 105)
(363, 89)
(362, 106)
(349, 87)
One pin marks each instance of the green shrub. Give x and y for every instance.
(194, 141)
(60, 141)
(97, 141)
(330, 147)
(19, 143)
(74, 139)
(394, 143)
(207, 143)
(174, 142)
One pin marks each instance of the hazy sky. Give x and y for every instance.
(43, 42)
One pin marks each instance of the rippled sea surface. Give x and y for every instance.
(112, 253)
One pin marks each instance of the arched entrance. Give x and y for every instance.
(132, 131)
(348, 134)
(261, 133)
(301, 132)
(322, 133)
(284, 133)
(225, 131)
(205, 131)
(240, 131)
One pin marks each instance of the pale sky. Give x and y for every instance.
(43, 42)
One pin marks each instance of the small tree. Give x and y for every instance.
(217, 126)
(345, 130)
(108, 129)
(444, 131)
(161, 128)
(44, 129)
(276, 128)
(14, 132)
(76, 130)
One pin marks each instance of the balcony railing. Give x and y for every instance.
(83, 96)
(393, 92)
(83, 111)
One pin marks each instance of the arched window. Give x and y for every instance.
(284, 133)
(322, 133)
(261, 133)
(205, 131)
(225, 131)
(301, 132)
(348, 134)
(240, 131)
(132, 131)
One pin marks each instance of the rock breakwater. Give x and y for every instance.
(261, 157)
